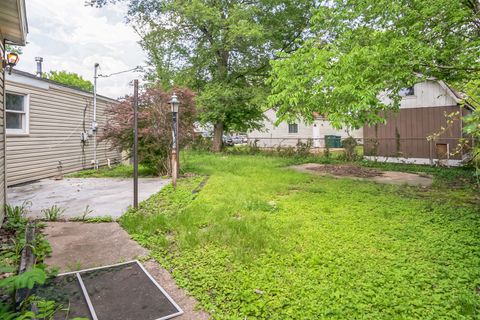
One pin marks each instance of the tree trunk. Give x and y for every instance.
(217, 137)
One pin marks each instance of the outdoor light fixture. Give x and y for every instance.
(10, 61)
(174, 103)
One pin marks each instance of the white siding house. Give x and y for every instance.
(13, 30)
(48, 129)
(288, 134)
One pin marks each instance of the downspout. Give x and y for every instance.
(94, 122)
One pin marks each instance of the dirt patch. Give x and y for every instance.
(367, 174)
(345, 170)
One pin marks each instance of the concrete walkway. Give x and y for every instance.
(386, 177)
(105, 196)
(77, 246)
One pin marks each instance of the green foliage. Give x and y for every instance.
(154, 126)
(99, 219)
(472, 129)
(350, 148)
(25, 280)
(53, 213)
(303, 148)
(16, 225)
(118, 171)
(86, 212)
(44, 310)
(358, 51)
(16, 49)
(149, 221)
(15, 215)
(260, 241)
(70, 79)
(221, 49)
(201, 143)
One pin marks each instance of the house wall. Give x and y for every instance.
(427, 94)
(405, 132)
(2, 139)
(56, 120)
(272, 136)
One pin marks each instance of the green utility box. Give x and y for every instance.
(333, 141)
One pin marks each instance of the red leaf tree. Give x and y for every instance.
(154, 126)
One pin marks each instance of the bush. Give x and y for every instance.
(303, 148)
(154, 126)
(201, 143)
(350, 148)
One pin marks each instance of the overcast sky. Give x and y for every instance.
(72, 37)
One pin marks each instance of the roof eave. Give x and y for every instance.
(22, 26)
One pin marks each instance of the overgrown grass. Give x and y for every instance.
(261, 241)
(118, 171)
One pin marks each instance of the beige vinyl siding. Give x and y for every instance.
(2, 141)
(53, 145)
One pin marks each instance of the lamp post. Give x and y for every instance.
(174, 103)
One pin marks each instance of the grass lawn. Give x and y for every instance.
(118, 171)
(260, 241)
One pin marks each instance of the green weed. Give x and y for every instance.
(261, 241)
(118, 171)
(53, 213)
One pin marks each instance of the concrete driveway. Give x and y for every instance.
(105, 196)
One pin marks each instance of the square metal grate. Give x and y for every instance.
(124, 291)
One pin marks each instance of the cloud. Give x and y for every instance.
(72, 37)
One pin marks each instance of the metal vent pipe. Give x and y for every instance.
(39, 61)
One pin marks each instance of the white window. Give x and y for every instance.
(16, 106)
(292, 128)
(405, 92)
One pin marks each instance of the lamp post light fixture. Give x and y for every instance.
(10, 61)
(174, 103)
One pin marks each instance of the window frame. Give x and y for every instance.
(26, 114)
(407, 90)
(296, 128)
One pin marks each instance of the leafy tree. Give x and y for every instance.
(221, 49)
(154, 126)
(358, 51)
(71, 79)
(16, 49)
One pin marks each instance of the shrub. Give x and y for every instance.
(350, 148)
(201, 143)
(326, 152)
(303, 148)
(154, 126)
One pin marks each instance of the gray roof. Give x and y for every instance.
(32, 76)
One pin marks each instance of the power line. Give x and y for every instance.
(137, 68)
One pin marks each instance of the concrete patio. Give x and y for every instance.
(104, 196)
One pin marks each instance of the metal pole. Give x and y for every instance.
(177, 128)
(174, 149)
(94, 122)
(135, 144)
